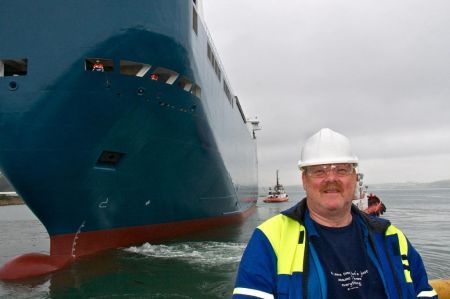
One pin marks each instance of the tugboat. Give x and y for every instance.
(278, 194)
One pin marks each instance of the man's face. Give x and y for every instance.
(330, 187)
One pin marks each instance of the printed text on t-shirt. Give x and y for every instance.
(351, 279)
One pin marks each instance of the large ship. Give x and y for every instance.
(118, 125)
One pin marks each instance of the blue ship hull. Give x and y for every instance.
(94, 152)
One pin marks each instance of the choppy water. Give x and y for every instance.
(202, 265)
(424, 216)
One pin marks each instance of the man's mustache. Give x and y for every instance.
(332, 186)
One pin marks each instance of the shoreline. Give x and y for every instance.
(10, 200)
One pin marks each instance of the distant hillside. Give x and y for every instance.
(436, 184)
(439, 184)
(4, 184)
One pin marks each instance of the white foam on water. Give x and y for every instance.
(206, 253)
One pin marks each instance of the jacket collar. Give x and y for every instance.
(300, 213)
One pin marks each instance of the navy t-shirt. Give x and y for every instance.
(348, 269)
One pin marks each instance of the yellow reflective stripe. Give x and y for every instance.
(403, 244)
(297, 264)
(253, 293)
(271, 228)
(283, 234)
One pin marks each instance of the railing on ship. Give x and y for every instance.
(217, 63)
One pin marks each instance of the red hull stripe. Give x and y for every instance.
(65, 248)
(81, 244)
(276, 199)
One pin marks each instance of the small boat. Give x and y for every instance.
(278, 194)
(370, 204)
(375, 206)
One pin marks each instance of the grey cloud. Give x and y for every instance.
(376, 71)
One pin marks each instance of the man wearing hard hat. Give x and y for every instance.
(324, 247)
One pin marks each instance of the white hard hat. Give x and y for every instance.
(326, 147)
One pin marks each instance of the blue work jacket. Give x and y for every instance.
(280, 260)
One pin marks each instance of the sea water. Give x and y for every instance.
(202, 265)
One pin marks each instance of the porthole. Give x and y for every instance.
(13, 67)
(184, 84)
(109, 159)
(196, 91)
(131, 68)
(164, 75)
(140, 91)
(13, 85)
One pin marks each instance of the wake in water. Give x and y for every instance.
(206, 253)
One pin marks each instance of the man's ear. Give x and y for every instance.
(303, 180)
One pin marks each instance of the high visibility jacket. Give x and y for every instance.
(281, 262)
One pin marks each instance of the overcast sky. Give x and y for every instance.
(377, 71)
